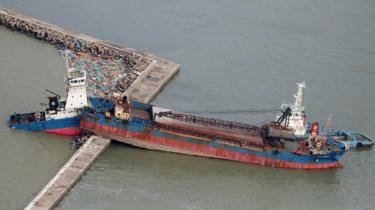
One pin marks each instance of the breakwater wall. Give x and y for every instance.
(62, 38)
(156, 72)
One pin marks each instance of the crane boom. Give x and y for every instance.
(234, 111)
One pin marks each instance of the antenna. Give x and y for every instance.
(327, 126)
(298, 96)
(53, 93)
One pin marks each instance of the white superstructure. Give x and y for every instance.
(76, 97)
(296, 120)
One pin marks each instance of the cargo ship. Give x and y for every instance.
(61, 115)
(151, 127)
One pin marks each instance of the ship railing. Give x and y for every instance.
(19, 118)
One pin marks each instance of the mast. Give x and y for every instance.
(294, 114)
(299, 97)
(327, 126)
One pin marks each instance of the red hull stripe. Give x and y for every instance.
(73, 131)
(160, 143)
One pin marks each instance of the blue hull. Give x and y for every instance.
(65, 126)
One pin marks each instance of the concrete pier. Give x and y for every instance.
(146, 87)
(69, 174)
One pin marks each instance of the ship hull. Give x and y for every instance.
(66, 126)
(138, 135)
(71, 131)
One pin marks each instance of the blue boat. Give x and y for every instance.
(46, 121)
(353, 139)
(61, 116)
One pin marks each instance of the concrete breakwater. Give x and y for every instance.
(146, 73)
(60, 39)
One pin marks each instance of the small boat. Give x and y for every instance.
(155, 128)
(61, 116)
(354, 139)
